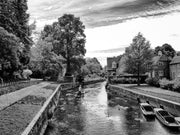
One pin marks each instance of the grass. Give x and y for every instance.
(15, 118)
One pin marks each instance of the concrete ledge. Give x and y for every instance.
(172, 107)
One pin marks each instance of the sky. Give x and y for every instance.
(112, 24)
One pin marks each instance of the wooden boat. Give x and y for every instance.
(147, 109)
(177, 119)
(166, 118)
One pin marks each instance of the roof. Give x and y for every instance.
(162, 58)
(155, 60)
(175, 60)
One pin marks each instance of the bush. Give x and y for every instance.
(176, 86)
(166, 84)
(153, 81)
(124, 80)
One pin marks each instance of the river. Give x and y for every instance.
(94, 114)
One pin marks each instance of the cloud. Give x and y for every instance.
(175, 35)
(114, 50)
(111, 24)
(95, 13)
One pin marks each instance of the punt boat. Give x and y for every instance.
(166, 118)
(147, 109)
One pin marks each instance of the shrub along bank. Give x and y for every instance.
(173, 85)
(124, 81)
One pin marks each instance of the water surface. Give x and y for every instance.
(94, 114)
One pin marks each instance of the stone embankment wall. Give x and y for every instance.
(40, 121)
(93, 81)
(170, 106)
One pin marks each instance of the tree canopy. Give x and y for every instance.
(9, 59)
(14, 19)
(14, 26)
(166, 49)
(68, 39)
(60, 45)
(92, 67)
(138, 55)
(44, 62)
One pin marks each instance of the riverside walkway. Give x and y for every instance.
(18, 108)
(154, 91)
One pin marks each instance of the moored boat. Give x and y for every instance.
(166, 118)
(177, 119)
(147, 109)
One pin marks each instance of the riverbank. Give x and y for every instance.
(154, 91)
(17, 109)
(158, 98)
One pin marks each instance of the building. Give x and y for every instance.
(121, 66)
(160, 66)
(175, 68)
(112, 65)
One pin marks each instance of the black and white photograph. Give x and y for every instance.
(89, 67)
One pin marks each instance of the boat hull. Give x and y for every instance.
(162, 120)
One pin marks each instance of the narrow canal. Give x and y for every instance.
(94, 114)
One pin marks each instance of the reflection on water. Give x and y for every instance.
(93, 114)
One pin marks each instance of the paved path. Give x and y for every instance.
(158, 92)
(10, 98)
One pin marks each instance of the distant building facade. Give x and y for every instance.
(160, 66)
(121, 66)
(175, 67)
(112, 65)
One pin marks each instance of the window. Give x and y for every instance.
(114, 65)
(160, 63)
(161, 73)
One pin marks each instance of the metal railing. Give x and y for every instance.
(11, 83)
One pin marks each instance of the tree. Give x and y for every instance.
(14, 19)
(44, 61)
(93, 66)
(84, 70)
(157, 49)
(68, 39)
(178, 53)
(166, 49)
(138, 55)
(9, 60)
